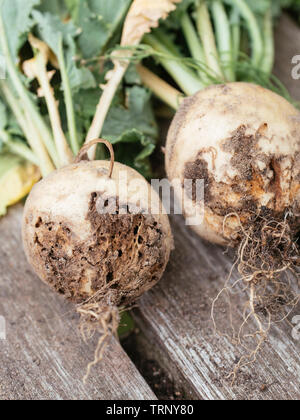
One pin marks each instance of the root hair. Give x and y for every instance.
(268, 261)
(104, 319)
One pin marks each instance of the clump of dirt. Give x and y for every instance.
(241, 146)
(124, 254)
(198, 170)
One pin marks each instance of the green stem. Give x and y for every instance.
(193, 42)
(207, 37)
(269, 55)
(18, 148)
(31, 135)
(45, 135)
(62, 147)
(235, 33)
(68, 100)
(224, 40)
(166, 40)
(168, 94)
(254, 30)
(183, 76)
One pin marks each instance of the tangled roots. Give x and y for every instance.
(268, 264)
(104, 319)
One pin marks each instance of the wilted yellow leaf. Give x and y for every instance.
(16, 182)
(143, 16)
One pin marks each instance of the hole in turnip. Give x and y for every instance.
(39, 223)
(109, 277)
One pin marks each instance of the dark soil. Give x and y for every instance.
(158, 380)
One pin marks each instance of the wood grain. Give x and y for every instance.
(44, 356)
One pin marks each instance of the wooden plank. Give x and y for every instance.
(287, 46)
(44, 356)
(176, 315)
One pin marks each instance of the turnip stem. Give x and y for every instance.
(207, 37)
(269, 55)
(254, 30)
(167, 42)
(186, 78)
(18, 148)
(160, 88)
(193, 42)
(62, 147)
(224, 41)
(105, 104)
(24, 96)
(235, 34)
(31, 135)
(46, 165)
(68, 100)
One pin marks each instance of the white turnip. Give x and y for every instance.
(244, 141)
(99, 260)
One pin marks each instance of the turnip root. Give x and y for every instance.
(244, 141)
(98, 260)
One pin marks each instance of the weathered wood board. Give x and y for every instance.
(176, 315)
(44, 356)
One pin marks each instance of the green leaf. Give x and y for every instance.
(133, 129)
(98, 21)
(56, 7)
(138, 114)
(17, 22)
(51, 29)
(130, 124)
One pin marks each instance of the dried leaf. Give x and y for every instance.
(143, 16)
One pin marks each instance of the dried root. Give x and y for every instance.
(268, 264)
(104, 319)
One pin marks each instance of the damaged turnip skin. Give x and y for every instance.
(106, 259)
(244, 141)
